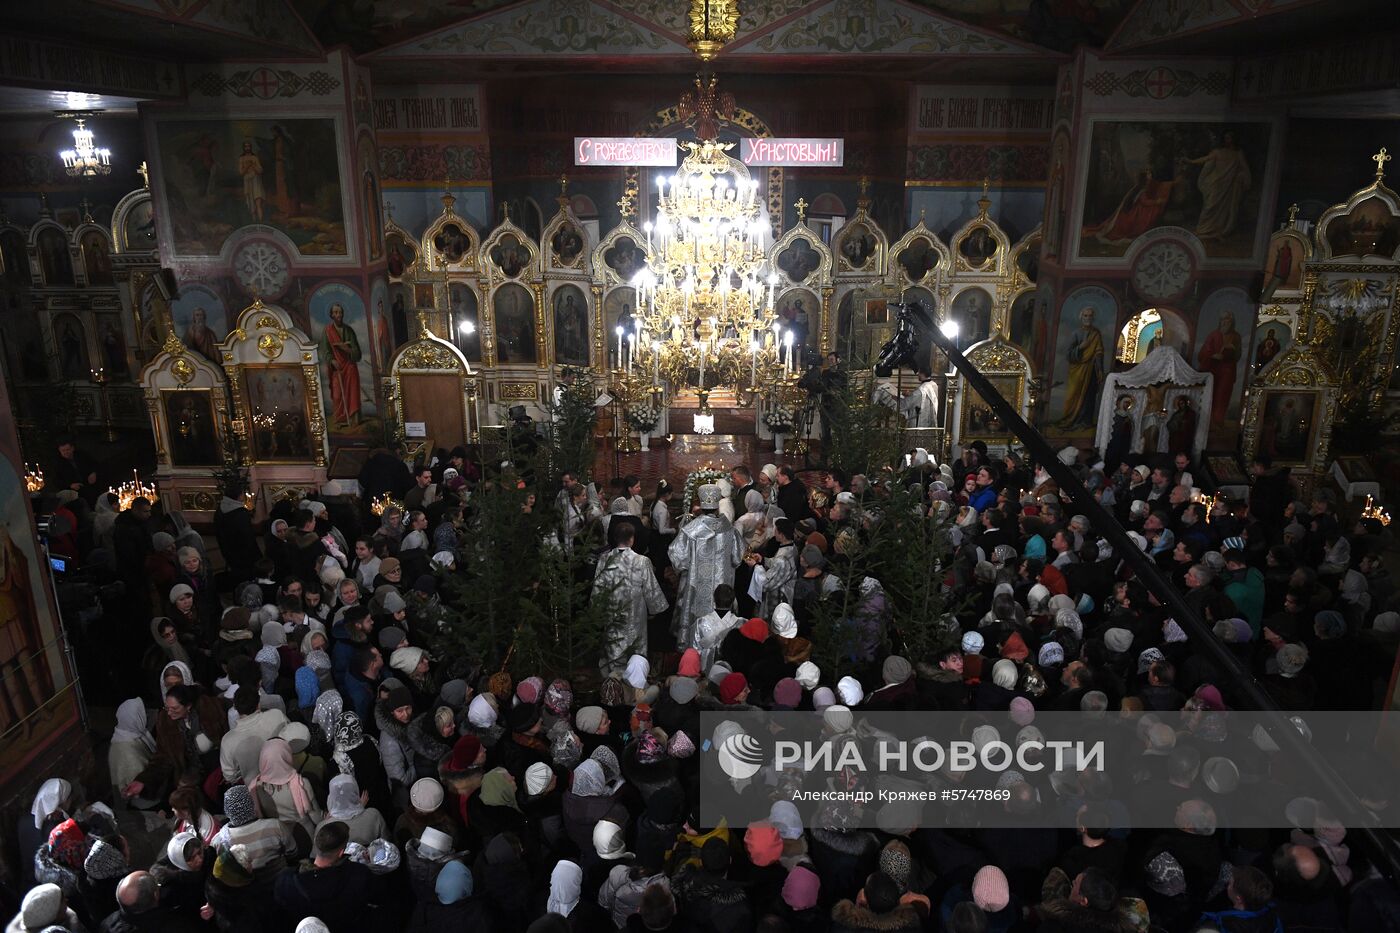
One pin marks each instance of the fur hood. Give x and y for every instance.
(423, 738)
(851, 915)
(388, 725)
(1083, 920)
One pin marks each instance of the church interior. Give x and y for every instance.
(246, 248)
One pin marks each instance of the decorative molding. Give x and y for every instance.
(265, 84)
(1159, 83)
(519, 391)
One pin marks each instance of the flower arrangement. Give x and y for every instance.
(779, 419)
(694, 481)
(641, 418)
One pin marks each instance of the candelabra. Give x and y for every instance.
(33, 479)
(381, 504)
(131, 490)
(1371, 510)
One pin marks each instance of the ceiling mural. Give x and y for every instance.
(1054, 24)
(866, 26)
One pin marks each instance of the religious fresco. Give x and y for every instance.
(917, 259)
(111, 344)
(337, 315)
(1272, 336)
(1287, 423)
(276, 398)
(71, 337)
(567, 244)
(140, 230)
(624, 258)
(978, 246)
(799, 260)
(36, 706)
(514, 312)
(570, 326)
(1082, 360)
(55, 262)
(451, 242)
(1283, 266)
(381, 326)
(401, 254)
(97, 261)
(201, 321)
(1090, 22)
(1030, 319)
(510, 255)
(857, 246)
(1222, 333)
(972, 309)
(1369, 229)
(25, 356)
(1204, 177)
(220, 175)
(618, 308)
(799, 310)
(194, 438)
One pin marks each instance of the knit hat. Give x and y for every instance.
(234, 619)
(233, 867)
(801, 888)
(1015, 648)
(1022, 711)
(391, 602)
(990, 889)
(43, 905)
(297, 735)
(1051, 653)
(523, 717)
(1005, 674)
(808, 675)
(537, 778)
(837, 717)
(588, 719)
(238, 806)
(391, 637)
(896, 670)
(787, 692)
(427, 794)
(680, 745)
(755, 630)
(529, 689)
(454, 694)
(690, 663)
(405, 660)
(731, 687)
(849, 689)
(972, 643)
(822, 698)
(1118, 640)
(398, 698)
(388, 565)
(434, 844)
(649, 749)
(764, 844)
(104, 861)
(559, 698)
(718, 671)
(464, 753)
(178, 590)
(683, 689)
(896, 862)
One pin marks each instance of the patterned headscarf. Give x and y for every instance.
(349, 734)
(611, 692)
(895, 862)
(589, 780)
(559, 698)
(607, 760)
(566, 748)
(329, 706)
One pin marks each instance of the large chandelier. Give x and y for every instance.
(705, 297)
(85, 159)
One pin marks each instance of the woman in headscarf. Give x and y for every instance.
(132, 744)
(494, 809)
(454, 906)
(181, 873)
(280, 792)
(346, 802)
(588, 800)
(357, 755)
(173, 674)
(167, 646)
(265, 840)
(506, 882)
(325, 720)
(49, 809)
(188, 733)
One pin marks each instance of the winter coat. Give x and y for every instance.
(394, 749)
(712, 903)
(621, 893)
(342, 895)
(1065, 916)
(427, 745)
(430, 916)
(170, 760)
(581, 814)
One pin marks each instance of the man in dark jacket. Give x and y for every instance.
(1270, 493)
(1251, 905)
(238, 543)
(882, 909)
(712, 902)
(792, 495)
(339, 892)
(139, 909)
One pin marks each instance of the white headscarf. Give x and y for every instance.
(784, 622)
(638, 668)
(133, 725)
(343, 798)
(50, 797)
(565, 887)
(851, 693)
(808, 675)
(175, 850)
(481, 713)
(186, 677)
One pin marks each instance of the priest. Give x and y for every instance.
(627, 578)
(705, 553)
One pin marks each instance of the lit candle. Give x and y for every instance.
(787, 341)
(631, 351)
(701, 345)
(753, 359)
(619, 346)
(656, 362)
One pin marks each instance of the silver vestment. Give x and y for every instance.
(705, 553)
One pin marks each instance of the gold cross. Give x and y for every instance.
(801, 206)
(1380, 159)
(145, 175)
(986, 185)
(625, 206)
(564, 185)
(864, 185)
(1292, 214)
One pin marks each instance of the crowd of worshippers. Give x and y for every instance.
(308, 766)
